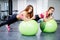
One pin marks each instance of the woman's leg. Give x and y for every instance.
(10, 20)
(36, 18)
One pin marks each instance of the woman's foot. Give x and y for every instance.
(8, 27)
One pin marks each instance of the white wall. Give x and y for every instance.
(15, 4)
(39, 5)
(21, 5)
(56, 4)
(42, 6)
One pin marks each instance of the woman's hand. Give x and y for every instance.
(33, 18)
(27, 19)
(47, 19)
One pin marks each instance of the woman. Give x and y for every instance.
(46, 16)
(25, 15)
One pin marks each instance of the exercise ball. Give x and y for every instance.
(49, 26)
(28, 27)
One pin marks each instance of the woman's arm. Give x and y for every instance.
(47, 19)
(22, 16)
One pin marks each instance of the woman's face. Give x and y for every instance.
(51, 11)
(30, 9)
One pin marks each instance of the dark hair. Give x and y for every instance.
(30, 14)
(51, 8)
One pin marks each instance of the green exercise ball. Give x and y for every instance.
(49, 26)
(28, 27)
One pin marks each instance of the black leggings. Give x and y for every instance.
(13, 19)
(36, 18)
(10, 20)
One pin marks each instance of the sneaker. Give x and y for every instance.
(8, 27)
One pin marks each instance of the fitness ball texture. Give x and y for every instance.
(49, 26)
(28, 27)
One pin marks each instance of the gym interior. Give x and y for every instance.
(10, 7)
